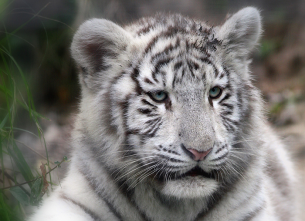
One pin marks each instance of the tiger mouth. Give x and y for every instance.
(197, 171)
(194, 172)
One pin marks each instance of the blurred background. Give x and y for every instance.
(39, 89)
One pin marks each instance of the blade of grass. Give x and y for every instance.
(24, 24)
(20, 162)
(30, 106)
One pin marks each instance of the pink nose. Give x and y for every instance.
(197, 156)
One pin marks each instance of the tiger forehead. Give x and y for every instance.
(175, 52)
(178, 74)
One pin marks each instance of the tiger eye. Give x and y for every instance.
(159, 96)
(215, 92)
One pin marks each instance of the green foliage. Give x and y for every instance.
(19, 186)
(267, 48)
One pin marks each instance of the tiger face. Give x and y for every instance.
(173, 95)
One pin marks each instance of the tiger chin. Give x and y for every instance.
(171, 127)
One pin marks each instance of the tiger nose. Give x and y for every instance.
(195, 154)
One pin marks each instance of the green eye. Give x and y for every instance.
(215, 92)
(158, 96)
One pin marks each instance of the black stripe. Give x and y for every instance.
(170, 32)
(221, 76)
(163, 78)
(206, 60)
(252, 215)
(220, 149)
(177, 79)
(144, 111)
(134, 77)
(152, 124)
(221, 157)
(94, 216)
(161, 148)
(152, 134)
(94, 186)
(165, 51)
(158, 66)
(124, 106)
(147, 103)
(177, 66)
(144, 30)
(190, 66)
(230, 120)
(239, 98)
(228, 106)
(170, 159)
(229, 127)
(148, 81)
(225, 113)
(151, 44)
(225, 98)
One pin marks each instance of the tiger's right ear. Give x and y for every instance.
(96, 46)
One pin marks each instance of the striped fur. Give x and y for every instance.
(131, 158)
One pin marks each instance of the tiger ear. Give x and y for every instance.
(241, 32)
(96, 46)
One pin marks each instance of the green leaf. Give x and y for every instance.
(20, 195)
(20, 162)
(36, 192)
(3, 122)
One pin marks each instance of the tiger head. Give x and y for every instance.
(168, 100)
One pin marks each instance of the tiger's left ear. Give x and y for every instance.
(96, 47)
(241, 32)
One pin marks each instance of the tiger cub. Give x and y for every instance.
(170, 126)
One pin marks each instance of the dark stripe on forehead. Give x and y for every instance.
(208, 61)
(177, 66)
(170, 32)
(145, 30)
(166, 51)
(177, 79)
(146, 80)
(193, 66)
(158, 66)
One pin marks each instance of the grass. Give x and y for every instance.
(19, 185)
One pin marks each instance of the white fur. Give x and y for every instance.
(106, 182)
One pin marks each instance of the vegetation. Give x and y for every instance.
(20, 187)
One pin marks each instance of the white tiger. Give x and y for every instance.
(171, 127)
